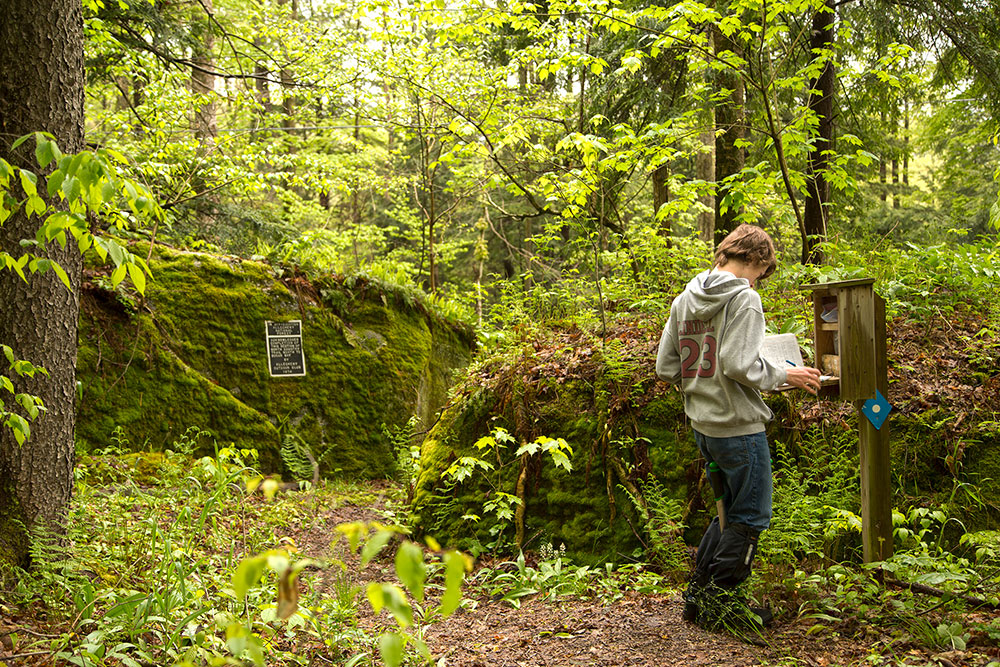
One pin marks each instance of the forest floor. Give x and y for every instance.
(609, 622)
(629, 628)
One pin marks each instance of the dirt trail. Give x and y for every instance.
(637, 630)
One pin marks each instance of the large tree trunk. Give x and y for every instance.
(820, 102)
(41, 88)
(730, 126)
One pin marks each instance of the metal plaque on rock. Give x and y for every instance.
(285, 357)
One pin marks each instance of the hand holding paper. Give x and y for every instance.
(783, 350)
(804, 377)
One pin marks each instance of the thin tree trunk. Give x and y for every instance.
(202, 80)
(705, 165)
(895, 183)
(661, 194)
(821, 103)
(261, 85)
(906, 143)
(287, 77)
(39, 41)
(730, 129)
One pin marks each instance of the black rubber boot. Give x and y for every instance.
(720, 605)
(700, 578)
(734, 555)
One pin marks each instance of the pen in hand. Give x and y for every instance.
(809, 383)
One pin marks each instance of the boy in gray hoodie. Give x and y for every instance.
(711, 347)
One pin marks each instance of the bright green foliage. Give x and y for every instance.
(194, 353)
(414, 575)
(79, 187)
(168, 576)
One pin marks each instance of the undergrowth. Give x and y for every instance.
(180, 566)
(199, 565)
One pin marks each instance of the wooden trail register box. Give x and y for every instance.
(850, 343)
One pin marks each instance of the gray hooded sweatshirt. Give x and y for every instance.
(711, 346)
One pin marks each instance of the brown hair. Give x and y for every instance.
(750, 245)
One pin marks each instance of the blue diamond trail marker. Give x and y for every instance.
(877, 409)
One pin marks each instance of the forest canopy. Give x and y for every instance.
(442, 144)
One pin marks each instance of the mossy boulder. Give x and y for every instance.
(625, 429)
(192, 352)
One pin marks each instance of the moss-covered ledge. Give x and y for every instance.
(192, 352)
(625, 428)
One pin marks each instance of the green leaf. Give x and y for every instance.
(20, 141)
(20, 427)
(353, 531)
(35, 205)
(54, 182)
(27, 402)
(44, 152)
(19, 266)
(118, 275)
(411, 569)
(101, 248)
(60, 271)
(390, 647)
(391, 597)
(116, 252)
(137, 276)
(115, 154)
(71, 188)
(374, 545)
(454, 569)
(527, 448)
(29, 182)
(247, 574)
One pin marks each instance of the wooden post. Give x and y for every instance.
(876, 490)
(856, 341)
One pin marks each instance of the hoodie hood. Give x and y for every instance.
(710, 291)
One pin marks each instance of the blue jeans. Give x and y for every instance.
(745, 462)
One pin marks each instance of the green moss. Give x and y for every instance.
(196, 356)
(142, 468)
(592, 516)
(981, 464)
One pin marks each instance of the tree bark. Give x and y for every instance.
(661, 195)
(730, 127)
(202, 80)
(288, 78)
(821, 103)
(41, 88)
(705, 165)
